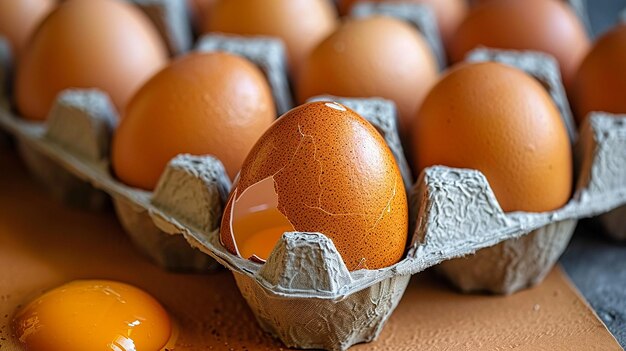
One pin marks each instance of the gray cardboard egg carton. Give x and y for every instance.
(304, 294)
(602, 126)
(419, 15)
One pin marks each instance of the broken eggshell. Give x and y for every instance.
(320, 168)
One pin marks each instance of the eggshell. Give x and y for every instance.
(549, 26)
(449, 13)
(20, 18)
(600, 83)
(301, 24)
(502, 122)
(105, 44)
(202, 103)
(332, 173)
(375, 56)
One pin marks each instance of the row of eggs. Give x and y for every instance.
(320, 167)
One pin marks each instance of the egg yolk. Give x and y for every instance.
(259, 232)
(94, 315)
(256, 222)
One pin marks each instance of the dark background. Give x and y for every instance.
(604, 14)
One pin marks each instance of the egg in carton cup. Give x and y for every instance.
(518, 263)
(70, 155)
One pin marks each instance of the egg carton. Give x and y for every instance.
(267, 53)
(419, 15)
(454, 214)
(304, 294)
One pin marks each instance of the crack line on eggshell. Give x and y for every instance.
(321, 170)
(319, 207)
(388, 206)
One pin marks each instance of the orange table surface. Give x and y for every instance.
(44, 244)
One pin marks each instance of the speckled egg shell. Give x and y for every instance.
(333, 174)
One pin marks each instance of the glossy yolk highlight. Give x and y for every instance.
(94, 315)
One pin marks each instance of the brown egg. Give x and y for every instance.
(20, 18)
(502, 122)
(320, 168)
(105, 44)
(550, 26)
(449, 13)
(215, 103)
(600, 83)
(375, 56)
(301, 24)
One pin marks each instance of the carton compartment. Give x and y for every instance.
(73, 163)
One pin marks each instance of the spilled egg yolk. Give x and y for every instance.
(94, 315)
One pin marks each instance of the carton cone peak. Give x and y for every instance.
(193, 189)
(305, 262)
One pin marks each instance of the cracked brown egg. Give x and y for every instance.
(320, 168)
